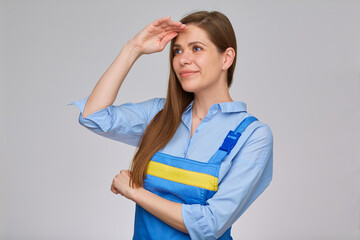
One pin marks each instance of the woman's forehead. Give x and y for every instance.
(192, 34)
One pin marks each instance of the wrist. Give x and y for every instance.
(133, 49)
(134, 194)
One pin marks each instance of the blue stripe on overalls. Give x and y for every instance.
(185, 181)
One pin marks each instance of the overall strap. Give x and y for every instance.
(230, 141)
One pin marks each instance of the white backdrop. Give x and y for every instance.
(297, 70)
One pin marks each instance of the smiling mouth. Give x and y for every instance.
(187, 74)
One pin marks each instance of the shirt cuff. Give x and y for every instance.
(100, 119)
(195, 222)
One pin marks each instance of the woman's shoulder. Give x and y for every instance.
(234, 113)
(158, 102)
(153, 105)
(255, 139)
(257, 128)
(147, 108)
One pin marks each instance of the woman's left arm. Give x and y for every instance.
(249, 175)
(166, 210)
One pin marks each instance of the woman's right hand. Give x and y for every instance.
(154, 37)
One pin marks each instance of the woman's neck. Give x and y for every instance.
(203, 102)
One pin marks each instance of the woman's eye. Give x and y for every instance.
(197, 49)
(177, 51)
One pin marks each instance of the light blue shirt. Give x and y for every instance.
(244, 173)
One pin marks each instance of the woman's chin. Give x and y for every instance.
(190, 90)
(188, 87)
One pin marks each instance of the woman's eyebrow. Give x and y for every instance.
(190, 44)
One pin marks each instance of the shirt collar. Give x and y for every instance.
(225, 107)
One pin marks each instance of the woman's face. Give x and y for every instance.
(197, 63)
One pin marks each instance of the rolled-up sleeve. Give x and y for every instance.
(249, 175)
(125, 123)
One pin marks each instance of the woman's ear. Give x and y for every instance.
(229, 56)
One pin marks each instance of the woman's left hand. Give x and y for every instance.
(120, 185)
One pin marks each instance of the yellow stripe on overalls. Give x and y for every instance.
(183, 176)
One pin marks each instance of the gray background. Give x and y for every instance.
(298, 71)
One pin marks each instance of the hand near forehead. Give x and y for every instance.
(154, 37)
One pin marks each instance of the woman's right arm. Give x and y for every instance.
(153, 38)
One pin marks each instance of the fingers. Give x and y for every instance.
(126, 172)
(175, 28)
(121, 178)
(161, 20)
(169, 25)
(167, 38)
(113, 189)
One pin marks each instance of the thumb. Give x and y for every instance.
(114, 190)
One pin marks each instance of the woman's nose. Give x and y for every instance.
(185, 58)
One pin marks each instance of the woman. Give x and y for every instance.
(190, 177)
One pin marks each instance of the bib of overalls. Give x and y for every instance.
(183, 181)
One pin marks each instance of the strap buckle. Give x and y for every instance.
(230, 141)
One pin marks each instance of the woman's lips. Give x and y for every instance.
(187, 73)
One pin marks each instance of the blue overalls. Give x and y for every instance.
(185, 181)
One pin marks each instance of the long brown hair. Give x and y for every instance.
(163, 126)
